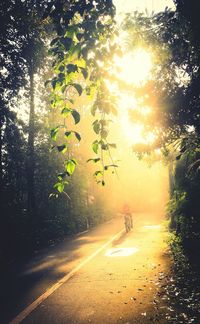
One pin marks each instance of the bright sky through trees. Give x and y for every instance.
(130, 68)
(135, 68)
(141, 5)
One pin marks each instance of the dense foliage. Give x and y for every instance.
(172, 92)
(30, 214)
(82, 52)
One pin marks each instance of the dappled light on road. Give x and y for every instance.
(104, 268)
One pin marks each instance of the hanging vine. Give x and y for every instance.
(82, 53)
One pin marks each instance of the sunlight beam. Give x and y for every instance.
(134, 68)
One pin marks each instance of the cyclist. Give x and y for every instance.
(128, 220)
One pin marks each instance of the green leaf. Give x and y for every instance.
(87, 91)
(59, 186)
(78, 136)
(103, 122)
(114, 165)
(47, 82)
(68, 134)
(61, 176)
(67, 42)
(74, 161)
(61, 68)
(66, 111)
(79, 36)
(62, 148)
(54, 41)
(94, 109)
(96, 126)
(94, 160)
(98, 173)
(104, 133)
(104, 147)
(75, 51)
(61, 77)
(64, 87)
(113, 145)
(72, 68)
(71, 100)
(178, 157)
(76, 116)
(84, 72)
(110, 166)
(54, 133)
(53, 83)
(78, 88)
(71, 30)
(70, 166)
(95, 147)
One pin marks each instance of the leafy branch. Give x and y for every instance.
(83, 34)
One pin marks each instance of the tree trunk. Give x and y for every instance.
(31, 153)
(1, 171)
(171, 179)
(1, 166)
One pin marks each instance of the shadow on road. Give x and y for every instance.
(120, 239)
(24, 282)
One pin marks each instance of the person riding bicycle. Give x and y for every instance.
(128, 220)
(127, 223)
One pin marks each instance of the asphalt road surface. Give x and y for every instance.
(101, 276)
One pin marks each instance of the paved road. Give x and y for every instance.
(115, 282)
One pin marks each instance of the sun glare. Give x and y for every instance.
(134, 68)
(134, 132)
